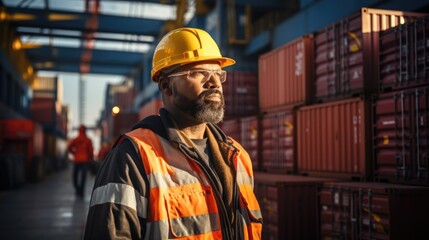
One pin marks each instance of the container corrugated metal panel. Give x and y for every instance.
(43, 111)
(55, 150)
(401, 136)
(347, 53)
(250, 131)
(278, 142)
(150, 108)
(373, 211)
(335, 139)
(404, 55)
(289, 205)
(240, 94)
(123, 122)
(22, 137)
(285, 74)
(232, 128)
(125, 99)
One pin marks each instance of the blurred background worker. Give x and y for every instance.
(104, 150)
(177, 174)
(82, 150)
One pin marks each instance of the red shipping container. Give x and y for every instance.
(347, 53)
(232, 128)
(240, 94)
(403, 55)
(401, 136)
(285, 74)
(289, 205)
(150, 108)
(278, 142)
(335, 139)
(124, 99)
(373, 211)
(123, 122)
(43, 111)
(250, 138)
(22, 137)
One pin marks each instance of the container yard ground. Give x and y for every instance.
(46, 210)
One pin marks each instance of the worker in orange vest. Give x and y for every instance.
(176, 174)
(82, 150)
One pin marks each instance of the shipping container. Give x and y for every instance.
(278, 141)
(150, 108)
(373, 211)
(23, 139)
(401, 136)
(44, 110)
(55, 153)
(231, 128)
(334, 139)
(240, 94)
(123, 122)
(250, 133)
(289, 205)
(403, 55)
(48, 87)
(347, 53)
(285, 75)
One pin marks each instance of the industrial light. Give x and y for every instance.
(115, 110)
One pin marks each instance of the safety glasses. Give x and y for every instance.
(202, 75)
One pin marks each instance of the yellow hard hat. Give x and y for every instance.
(186, 45)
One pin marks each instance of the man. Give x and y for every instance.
(177, 175)
(82, 151)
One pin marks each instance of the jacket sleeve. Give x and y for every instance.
(119, 198)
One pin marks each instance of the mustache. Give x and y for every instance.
(210, 91)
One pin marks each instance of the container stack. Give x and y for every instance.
(400, 111)
(346, 105)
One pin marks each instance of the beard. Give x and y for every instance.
(201, 109)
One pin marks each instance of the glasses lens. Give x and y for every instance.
(204, 75)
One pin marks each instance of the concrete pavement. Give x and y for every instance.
(45, 210)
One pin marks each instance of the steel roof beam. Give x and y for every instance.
(40, 34)
(67, 20)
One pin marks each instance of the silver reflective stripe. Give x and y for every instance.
(122, 194)
(256, 216)
(157, 230)
(176, 178)
(256, 213)
(195, 225)
(182, 227)
(243, 177)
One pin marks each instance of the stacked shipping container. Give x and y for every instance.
(285, 75)
(351, 210)
(278, 147)
(337, 134)
(403, 55)
(345, 128)
(289, 205)
(346, 53)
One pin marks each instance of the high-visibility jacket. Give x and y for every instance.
(81, 148)
(181, 201)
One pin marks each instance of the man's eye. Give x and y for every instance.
(196, 73)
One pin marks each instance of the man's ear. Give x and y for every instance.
(164, 86)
